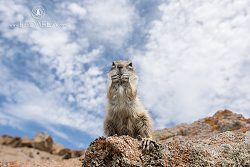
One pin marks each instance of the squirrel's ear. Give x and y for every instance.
(113, 65)
(130, 64)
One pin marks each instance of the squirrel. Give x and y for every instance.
(126, 114)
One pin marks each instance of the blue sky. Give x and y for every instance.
(192, 58)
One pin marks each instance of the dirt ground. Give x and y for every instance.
(30, 157)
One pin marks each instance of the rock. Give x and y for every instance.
(66, 153)
(222, 149)
(121, 151)
(10, 141)
(26, 142)
(43, 142)
(58, 149)
(221, 121)
(31, 155)
(6, 139)
(77, 153)
(220, 140)
(66, 156)
(226, 120)
(16, 142)
(224, 135)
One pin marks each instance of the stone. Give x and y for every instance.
(11, 141)
(77, 153)
(26, 142)
(6, 139)
(121, 151)
(58, 149)
(220, 140)
(43, 142)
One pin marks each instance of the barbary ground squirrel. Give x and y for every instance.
(125, 113)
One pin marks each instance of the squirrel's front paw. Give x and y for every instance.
(148, 144)
(115, 78)
(125, 77)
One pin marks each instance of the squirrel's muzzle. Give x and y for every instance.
(120, 69)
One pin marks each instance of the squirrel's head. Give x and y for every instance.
(121, 67)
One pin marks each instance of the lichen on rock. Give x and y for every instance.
(122, 151)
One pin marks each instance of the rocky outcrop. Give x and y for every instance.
(220, 140)
(221, 121)
(42, 142)
(26, 142)
(58, 149)
(230, 148)
(122, 151)
(11, 141)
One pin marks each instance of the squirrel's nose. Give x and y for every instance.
(119, 66)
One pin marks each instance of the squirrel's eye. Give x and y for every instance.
(130, 64)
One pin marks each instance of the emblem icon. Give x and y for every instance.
(38, 12)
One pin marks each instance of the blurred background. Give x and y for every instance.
(192, 57)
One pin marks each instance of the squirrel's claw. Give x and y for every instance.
(148, 144)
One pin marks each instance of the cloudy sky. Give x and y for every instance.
(192, 57)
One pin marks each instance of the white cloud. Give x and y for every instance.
(110, 21)
(67, 57)
(71, 53)
(31, 104)
(195, 59)
(77, 10)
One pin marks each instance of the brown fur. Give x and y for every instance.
(125, 113)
